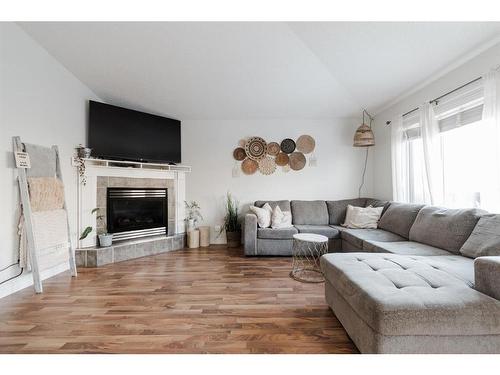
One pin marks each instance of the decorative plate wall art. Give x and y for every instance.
(256, 148)
(239, 154)
(273, 148)
(297, 161)
(288, 145)
(249, 166)
(305, 144)
(254, 153)
(282, 159)
(267, 165)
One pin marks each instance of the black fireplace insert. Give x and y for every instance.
(133, 213)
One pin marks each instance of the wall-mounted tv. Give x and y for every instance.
(124, 134)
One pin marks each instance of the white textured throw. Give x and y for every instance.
(362, 217)
(263, 215)
(281, 219)
(51, 238)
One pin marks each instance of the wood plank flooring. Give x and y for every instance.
(211, 300)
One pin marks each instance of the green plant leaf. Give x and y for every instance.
(94, 210)
(85, 233)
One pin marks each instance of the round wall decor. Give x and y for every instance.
(273, 148)
(239, 154)
(242, 142)
(249, 166)
(305, 144)
(267, 165)
(288, 145)
(297, 161)
(256, 148)
(282, 159)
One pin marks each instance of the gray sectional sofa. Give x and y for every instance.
(427, 280)
(319, 217)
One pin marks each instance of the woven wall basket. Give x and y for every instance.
(297, 161)
(305, 144)
(273, 148)
(267, 165)
(256, 148)
(282, 159)
(249, 166)
(288, 145)
(239, 154)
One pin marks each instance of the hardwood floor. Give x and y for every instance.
(189, 301)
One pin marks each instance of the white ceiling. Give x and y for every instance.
(256, 70)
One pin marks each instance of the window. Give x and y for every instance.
(468, 152)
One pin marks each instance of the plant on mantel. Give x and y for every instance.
(82, 152)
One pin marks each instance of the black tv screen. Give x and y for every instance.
(124, 134)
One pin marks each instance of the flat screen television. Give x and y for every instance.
(123, 134)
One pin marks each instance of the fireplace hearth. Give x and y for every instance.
(136, 212)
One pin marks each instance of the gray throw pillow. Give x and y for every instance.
(484, 239)
(399, 218)
(444, 228)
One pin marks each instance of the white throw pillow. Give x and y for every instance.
(263, 215)
(362, 217)
(281, 219)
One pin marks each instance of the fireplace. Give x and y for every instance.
(136, 212)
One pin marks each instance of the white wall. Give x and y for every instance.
(473, 68)
(45, 104)
(208, 146)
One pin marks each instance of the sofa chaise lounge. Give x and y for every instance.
(427, 280)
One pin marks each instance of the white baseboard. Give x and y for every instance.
(26, 280)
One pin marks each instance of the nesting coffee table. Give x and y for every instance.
(307, 249)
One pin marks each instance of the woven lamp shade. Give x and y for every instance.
(364, 136)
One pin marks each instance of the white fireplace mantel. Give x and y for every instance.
(94, 168)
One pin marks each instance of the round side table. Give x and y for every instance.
(307, 249)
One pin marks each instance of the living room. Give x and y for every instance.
(280, 186)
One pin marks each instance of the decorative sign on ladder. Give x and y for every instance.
(22, 160)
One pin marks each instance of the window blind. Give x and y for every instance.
(462, 107)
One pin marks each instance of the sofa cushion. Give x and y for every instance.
(324, 230)
(447, 229)
(284, 205)
(412, 295)
(277, 234)
(403, 247)
(338, 209)
(309, 212)
(399, 217)
(377, 203)
(484, 239)
(357, 236)
(487, 276)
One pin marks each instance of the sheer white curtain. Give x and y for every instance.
(433, 162)
(400, 162)
(490, 194)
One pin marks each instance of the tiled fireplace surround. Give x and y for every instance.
(103, 182)
(95, 256)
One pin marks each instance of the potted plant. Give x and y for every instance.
(193, 214)
(105, 239)
(231, 224)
